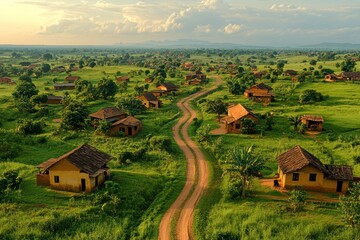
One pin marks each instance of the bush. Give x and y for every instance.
(42, 112)
(310, 95)
(350, 206)
(26, 126)
(160, 143)
(8, 150)
(297, 199)
(248, 126)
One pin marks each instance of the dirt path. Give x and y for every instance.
(197, 169)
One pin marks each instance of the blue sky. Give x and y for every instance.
(255, 22)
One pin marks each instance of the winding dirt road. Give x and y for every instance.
(197, 174)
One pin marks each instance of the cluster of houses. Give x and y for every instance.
(69, 83)
(7, 80)
(344, 76)
(195, 78)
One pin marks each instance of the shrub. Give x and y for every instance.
(247, 126)
(350, 206)
(26, 126)
(160, 143)
(297, 199)
(8, 150)
(42, 112)
(310, 95)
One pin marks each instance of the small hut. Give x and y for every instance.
(313, 123)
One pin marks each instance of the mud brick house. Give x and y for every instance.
(7, 80)
(299, 168)
(313, 123)
(196, 74)
(232, 122)
(130, 126)
(51, 99)
(64, 86)
(72, 78)
(109, 114)
(260, 93)
(168, 87)
(149, 100)
(80, 170)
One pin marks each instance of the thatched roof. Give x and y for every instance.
(169, 86)
(53, 97)
(298, 158)
(149, 97)
(108, 112)
(239, 111)
(261, 86)
(312, 118)
(129, 121)
(350, 74)
(85, 157)
(339, 172)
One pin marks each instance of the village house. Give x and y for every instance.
(196, 74)
(344, 76)
(299, 168)
(194, 81)
(149, 100)
(122, 79)
(72, 78)
(64, 86)
(187, 65)
(332, 78)
(313, 123)
(158, 93)
(232, 122)
(7, 80)
(148, 80)
(59, 69)
(51, 99)
(290, 73)
(260, 93)
(130, 126)
(168, 87)
(80, 170)
(109, 114)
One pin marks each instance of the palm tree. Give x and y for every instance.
(244, 162)
(295, 121)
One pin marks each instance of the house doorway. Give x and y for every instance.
(83, 185)
(339, 186)
(129, 131)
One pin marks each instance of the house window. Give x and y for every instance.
(56, 179)
(295, 177)
(312, 177)
(237, 126)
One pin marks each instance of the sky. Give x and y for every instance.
(251, 22)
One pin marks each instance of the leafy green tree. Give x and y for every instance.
(297, 199)
(22, 94)
(295, 121)
(216, 106)
(73, 115)
(247, 126)
(139, 90)
(47, 56)
(27, 126)
(131, 106)
(244, 162)
(39, 99)
(284, 91)
(310, 95)
(8, 150)
(103, 127)
(107, 88)
(10, 181)
(350, 205)
(313, 62)
(92, 64)
(84, 88)
(45, 67)
(348, 65)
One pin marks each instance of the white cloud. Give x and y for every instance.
(232, 28)
(204, 28)
(286, 8)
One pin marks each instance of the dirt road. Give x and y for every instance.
(197, 175)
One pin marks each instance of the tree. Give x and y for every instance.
(348, 65)
(313, 62)
(47, 56)
(131, 106)
(45, 68)
(244, 162)
(310, 95)
(22, 94)
(27, 126)
(350, 205)
(73, 115)
(39, 99)
(86, 89)
(107, 88)
(139, 90)
(297, 199)
(92, 64)
(216, 106)
(10, 181)
(295, 121)
(247, 125)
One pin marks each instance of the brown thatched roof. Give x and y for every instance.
(312, 118)
(298, 158)
(53, 97)
(350, 74)
(239, 111)
(129, 121)
(72, 78)
(149, 97)
(170, 86)
(339, 172)
(107, 112)
(85, 157)
(261, 86)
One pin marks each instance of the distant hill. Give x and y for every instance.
(187, 43)
(333, 46)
